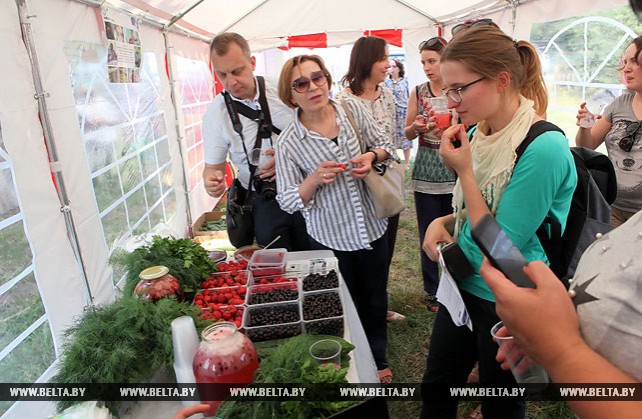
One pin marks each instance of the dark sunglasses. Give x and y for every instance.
(302, 84)
(468, 24)
(626, 143)
(429, 43)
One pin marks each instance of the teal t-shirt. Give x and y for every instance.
(542, 185)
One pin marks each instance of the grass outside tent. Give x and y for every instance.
(408, 339)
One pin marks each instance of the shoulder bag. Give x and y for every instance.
(385, 180)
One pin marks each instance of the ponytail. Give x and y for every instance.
(532, 86)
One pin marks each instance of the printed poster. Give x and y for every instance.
(124, 52)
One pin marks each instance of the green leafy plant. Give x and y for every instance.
(127, 341)
(186, 260)
(288, 361)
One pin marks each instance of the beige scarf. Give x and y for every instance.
(493, 158)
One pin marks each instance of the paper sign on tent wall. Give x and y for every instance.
(124, 52)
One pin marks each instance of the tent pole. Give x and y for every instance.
(225, 29)
(54, 163)
(183, 13)
(179, 137)
(414, 9)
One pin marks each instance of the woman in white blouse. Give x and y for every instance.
(320, 166)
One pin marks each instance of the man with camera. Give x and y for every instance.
(237, 123)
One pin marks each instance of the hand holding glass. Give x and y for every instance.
(525, 370)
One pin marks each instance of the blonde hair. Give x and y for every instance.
(488, 51)
(285, 87)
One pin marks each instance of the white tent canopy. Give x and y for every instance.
(90, 157)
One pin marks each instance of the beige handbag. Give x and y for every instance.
(385, 180)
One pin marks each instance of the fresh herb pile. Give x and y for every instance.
(127, 341)
(290, 362)
(187, 261)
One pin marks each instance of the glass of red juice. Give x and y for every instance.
(225, 355)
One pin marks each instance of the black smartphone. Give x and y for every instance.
(500, 251)
(456, 261)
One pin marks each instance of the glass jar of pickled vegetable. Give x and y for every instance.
(156, 283)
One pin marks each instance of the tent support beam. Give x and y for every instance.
(179, 137)
(183, 13)
(225, 29)
(50, 142)
(414, 9)
(151, 22)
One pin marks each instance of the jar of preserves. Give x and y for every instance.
(225, 355)
(156, 283)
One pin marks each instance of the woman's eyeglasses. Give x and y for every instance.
(302, 84)
(626, 143)
(429, 43)
(455, 94)
(469, 24)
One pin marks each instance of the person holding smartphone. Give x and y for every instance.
(495, 82)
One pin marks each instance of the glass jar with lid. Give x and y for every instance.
(156, 283)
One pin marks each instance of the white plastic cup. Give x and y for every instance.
(185, 341)
(525, 370)
(326, 352)
(443, 117)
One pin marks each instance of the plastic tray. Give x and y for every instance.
(256, 290)
(217, 275)
(268, 262)
(274, 331)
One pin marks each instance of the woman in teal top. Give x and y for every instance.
(497, 83)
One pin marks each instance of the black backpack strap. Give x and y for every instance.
(551, 237)
(537, 129)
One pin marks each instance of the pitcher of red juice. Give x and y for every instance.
(224, 355)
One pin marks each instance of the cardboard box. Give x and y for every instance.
(207, 216)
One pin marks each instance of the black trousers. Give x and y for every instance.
(428, 208)
(365, 273)
(271, 221)
(452, 354)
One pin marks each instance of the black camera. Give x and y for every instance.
(265, 188)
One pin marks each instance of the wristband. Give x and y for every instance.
(376, 159)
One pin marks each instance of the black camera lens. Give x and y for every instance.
(265, 188)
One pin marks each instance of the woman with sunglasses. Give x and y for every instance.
(491, 80)
(320, 167)
(398, 85)
(432, 181)
(620, 129)
(368, 68)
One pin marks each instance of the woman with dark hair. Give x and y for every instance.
(398, 85)
(320, 167)
(492, 81)
(432, 182)
(621, 130)
(368, 69)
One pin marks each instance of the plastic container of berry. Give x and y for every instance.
(322, 304)
(274, 279)
(273, 293)
(326, 326)
(232, 278)
(222, 296)
(272, 321)
(320, 280)
(221, 313)
(268, 262)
